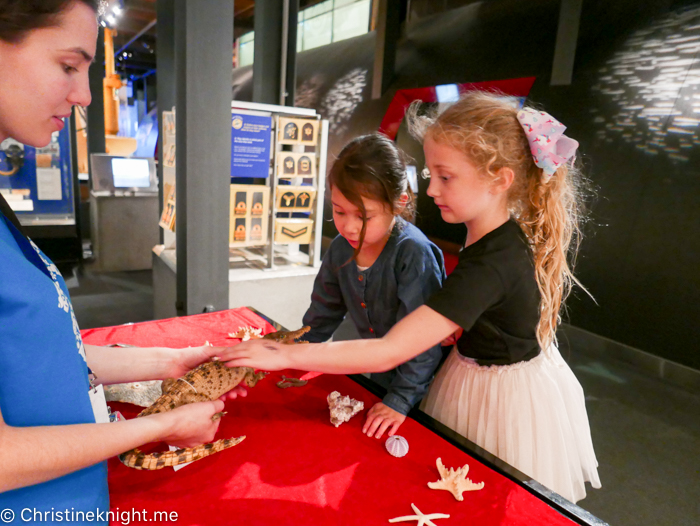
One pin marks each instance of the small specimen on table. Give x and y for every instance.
(246, 333)
(343, 408)
(397, 446)
(421, 517)
(138, 393)
(207, 382)
(287, 337)
(456, 482)
(290, 382)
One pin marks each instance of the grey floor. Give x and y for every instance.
(646, 432)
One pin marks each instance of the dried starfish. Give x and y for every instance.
(421, 517)
(246, 333)
(456, 482)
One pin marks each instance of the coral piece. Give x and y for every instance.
(456, 482)
(422, 518)
(397, 446)
(138, 393)
(246, 333)
(343, 408)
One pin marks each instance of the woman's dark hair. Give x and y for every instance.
(19, 17)
(373, 167)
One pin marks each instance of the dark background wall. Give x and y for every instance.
(632, 105)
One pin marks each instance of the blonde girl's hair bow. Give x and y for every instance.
(549, 146)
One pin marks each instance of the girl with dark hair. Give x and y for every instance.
(377, 270)
(53, 454)
(509, 176)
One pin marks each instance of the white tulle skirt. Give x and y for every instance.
(530, 414)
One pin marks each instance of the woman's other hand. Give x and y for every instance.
(191, 425)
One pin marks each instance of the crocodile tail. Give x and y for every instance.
(138, 460)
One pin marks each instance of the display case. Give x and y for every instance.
(277, 176)
(40, 185)
(283, 150)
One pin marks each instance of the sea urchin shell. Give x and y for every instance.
(397, 446)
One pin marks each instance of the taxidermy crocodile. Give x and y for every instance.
(207, 382)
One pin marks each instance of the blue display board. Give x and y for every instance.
(52, 192)
(250, 145)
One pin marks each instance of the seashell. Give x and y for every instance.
(343, 408)
(397, 446)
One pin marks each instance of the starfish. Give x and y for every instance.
(456, 482)
(422, 518)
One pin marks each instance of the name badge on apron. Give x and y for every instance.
(99, 404)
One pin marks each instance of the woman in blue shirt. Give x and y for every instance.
(53, 453)
(379, 269)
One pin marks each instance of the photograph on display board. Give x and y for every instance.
(44, 160)
(258, 207)
(169, 122)
(239, 231)
(249, 209)
(240, 207)
(288, 131)
(295, 198)
(292, 164)
(167, 219)
(170, 155)
(293, 231)
(297, 131)
(309, 132)
(289, 164)
(256, 231)
(287, 200)
(303, 200)
(305, 166)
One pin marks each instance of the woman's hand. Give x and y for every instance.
(380, 418)
(186, 359)
(266, 355)
(190, 425)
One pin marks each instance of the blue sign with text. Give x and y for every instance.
(250, 145)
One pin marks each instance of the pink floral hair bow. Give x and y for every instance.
(549, 146)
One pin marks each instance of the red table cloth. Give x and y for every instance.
(295, 467)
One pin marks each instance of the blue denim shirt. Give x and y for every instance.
(407, 272)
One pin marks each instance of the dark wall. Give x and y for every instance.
(632, 104)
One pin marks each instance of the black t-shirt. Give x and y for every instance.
(492, 294)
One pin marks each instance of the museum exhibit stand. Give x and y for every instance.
(278, 169)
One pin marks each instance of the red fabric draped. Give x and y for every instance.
(391, 122)
(295, 467)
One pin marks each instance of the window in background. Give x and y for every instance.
(319, 25)
(246, 45)
(351, 18)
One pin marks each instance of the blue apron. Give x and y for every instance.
(43, 376)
